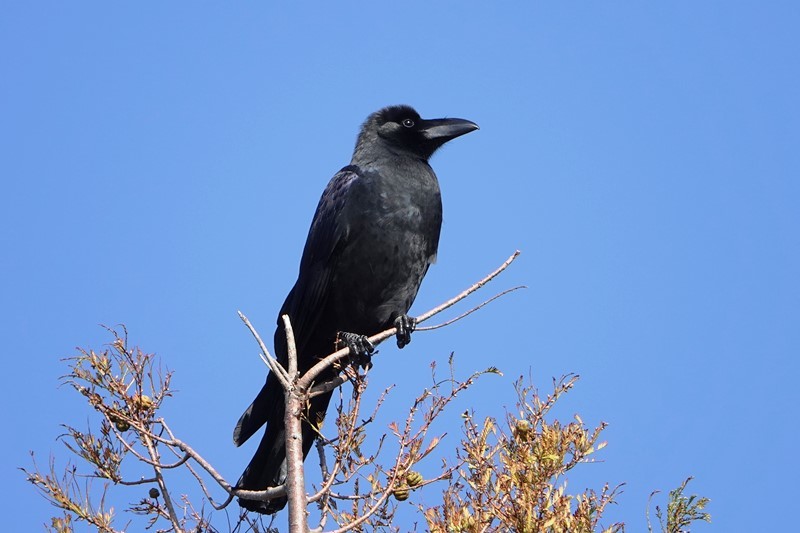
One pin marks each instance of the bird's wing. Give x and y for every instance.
(306, 302)
(328, 234)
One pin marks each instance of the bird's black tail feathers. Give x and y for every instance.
(267, 468)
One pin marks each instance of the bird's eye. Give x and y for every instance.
(408, 123)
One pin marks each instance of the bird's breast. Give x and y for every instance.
(393, 237)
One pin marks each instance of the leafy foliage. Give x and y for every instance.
(505, 476)
(514, 475)
(681, 511)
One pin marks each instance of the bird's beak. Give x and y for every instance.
(445, 129)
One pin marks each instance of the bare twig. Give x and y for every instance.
(326, 386)
(291, 347)
(451, 302)
(270, 361)
(467, 313)
(143, 481)
(324, 491)
(207, 494)
(261, 495)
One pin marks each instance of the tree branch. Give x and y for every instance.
(295, 402)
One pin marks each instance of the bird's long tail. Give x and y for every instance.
(267, 468)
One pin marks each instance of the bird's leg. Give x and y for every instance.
(405, 325)
(361, 349)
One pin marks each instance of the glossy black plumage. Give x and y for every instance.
(374, 235)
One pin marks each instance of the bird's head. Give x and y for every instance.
(400, 128)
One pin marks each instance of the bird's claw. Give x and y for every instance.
(361, 349)
(405, 325)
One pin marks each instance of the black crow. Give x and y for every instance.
(372, 239)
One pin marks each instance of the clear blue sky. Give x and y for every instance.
(643, 156)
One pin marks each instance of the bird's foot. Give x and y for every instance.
(361, 349)
(405, 325)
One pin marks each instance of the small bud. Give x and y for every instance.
(120, 424)
(401, 494)
(414, 478)
(94, 398)
(521, 428)
(143, 402)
